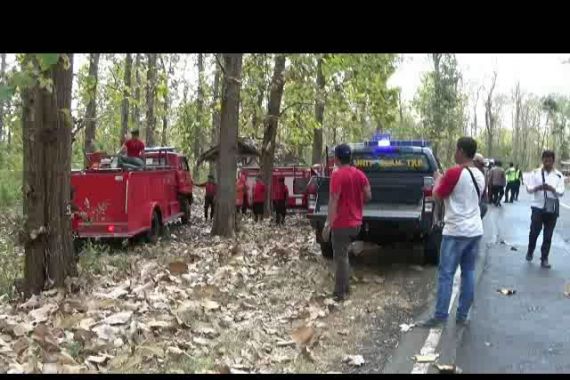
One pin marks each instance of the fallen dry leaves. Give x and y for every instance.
(193, 303)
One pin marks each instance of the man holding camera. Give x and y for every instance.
(546, 185)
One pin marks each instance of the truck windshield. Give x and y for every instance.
(391, 162)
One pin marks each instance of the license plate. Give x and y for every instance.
(298, 201)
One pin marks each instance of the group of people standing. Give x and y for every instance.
(279, 197)
(461, 190)
(502, 182)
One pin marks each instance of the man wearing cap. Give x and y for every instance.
(349, 189)
(134, 148)
(210, 198)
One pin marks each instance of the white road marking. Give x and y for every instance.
(434, 335)
(564, 205)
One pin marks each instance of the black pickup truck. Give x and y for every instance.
(402, 208)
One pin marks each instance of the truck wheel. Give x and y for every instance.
(155, 229)
(327, 250)
(185, 208)
(431, 248)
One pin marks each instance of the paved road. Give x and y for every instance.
(526, 332)
(523, 333)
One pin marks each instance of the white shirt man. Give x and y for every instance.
(551, 187)
(553, 178)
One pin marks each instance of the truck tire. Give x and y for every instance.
(327, 250)
(431, 248)
(185, 208)
(155, 228)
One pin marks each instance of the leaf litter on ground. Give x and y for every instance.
(252, 304)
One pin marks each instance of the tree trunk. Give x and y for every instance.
(200, 109)
(215, 114)
(2, 102)
(224, 216)
(270, 130)
(91, 109)
(516, 143)
(489, 117)
(259, 104)
(166, 104)
(136, 115)
(46, 123)
(150, 96)
(319, 114)
(126, 94)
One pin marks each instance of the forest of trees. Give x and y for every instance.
(174, 99)
(56, 107)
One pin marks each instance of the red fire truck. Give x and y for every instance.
(296, 180)
(123, 203)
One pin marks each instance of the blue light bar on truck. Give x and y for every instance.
(394, 143)
(381, 137)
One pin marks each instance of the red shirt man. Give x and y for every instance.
(347, 183)
(280, 192)
(209, 199)
(211, 189)
(134, 146)
(349, 189)
(259, 192)
(258, 199)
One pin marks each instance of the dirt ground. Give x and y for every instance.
(199, 304)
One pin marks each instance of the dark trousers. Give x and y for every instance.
(280, 211)
(497, 195)
(537, 220)
(258, 211)
(341, 239)
(510, 190)
(209, 204)
(130, 162)
(516, 188)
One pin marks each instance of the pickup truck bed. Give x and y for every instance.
(401, 209)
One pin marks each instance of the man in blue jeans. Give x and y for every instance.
(460, 188)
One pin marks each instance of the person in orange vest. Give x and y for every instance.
(280, 196)
(258, 199)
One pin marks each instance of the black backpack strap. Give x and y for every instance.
(474, 182)
(543, 183)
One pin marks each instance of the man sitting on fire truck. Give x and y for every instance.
(134, 149)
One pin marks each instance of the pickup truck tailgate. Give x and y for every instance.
(381, 211)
